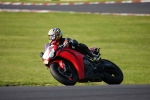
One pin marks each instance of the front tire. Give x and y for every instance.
(112, 75)
(66, 77)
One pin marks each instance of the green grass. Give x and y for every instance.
(123, 39)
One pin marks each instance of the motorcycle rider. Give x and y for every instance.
(55, 35)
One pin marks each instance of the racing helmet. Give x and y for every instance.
(55, 34)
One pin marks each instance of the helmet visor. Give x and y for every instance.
(51, 37)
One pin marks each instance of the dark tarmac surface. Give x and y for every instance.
(136, 8)
(102, 92)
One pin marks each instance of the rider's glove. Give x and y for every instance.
(66, 43)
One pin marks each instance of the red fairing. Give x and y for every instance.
(76, 58)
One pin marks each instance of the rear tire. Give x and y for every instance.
(113, 75)
(68, 77)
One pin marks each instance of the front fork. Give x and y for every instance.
(60, 62)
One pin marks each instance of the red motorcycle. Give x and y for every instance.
(69, 66)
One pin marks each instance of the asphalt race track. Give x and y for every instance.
(102, 92)
(136, 8)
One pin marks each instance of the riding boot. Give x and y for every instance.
(94, 57)
(96, 54)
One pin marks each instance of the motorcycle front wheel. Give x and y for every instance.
(66, 76)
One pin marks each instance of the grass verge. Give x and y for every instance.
(124, 40)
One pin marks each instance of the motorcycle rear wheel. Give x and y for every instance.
(68, 77)
(112, 75)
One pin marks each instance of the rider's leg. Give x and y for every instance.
(86, 51)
